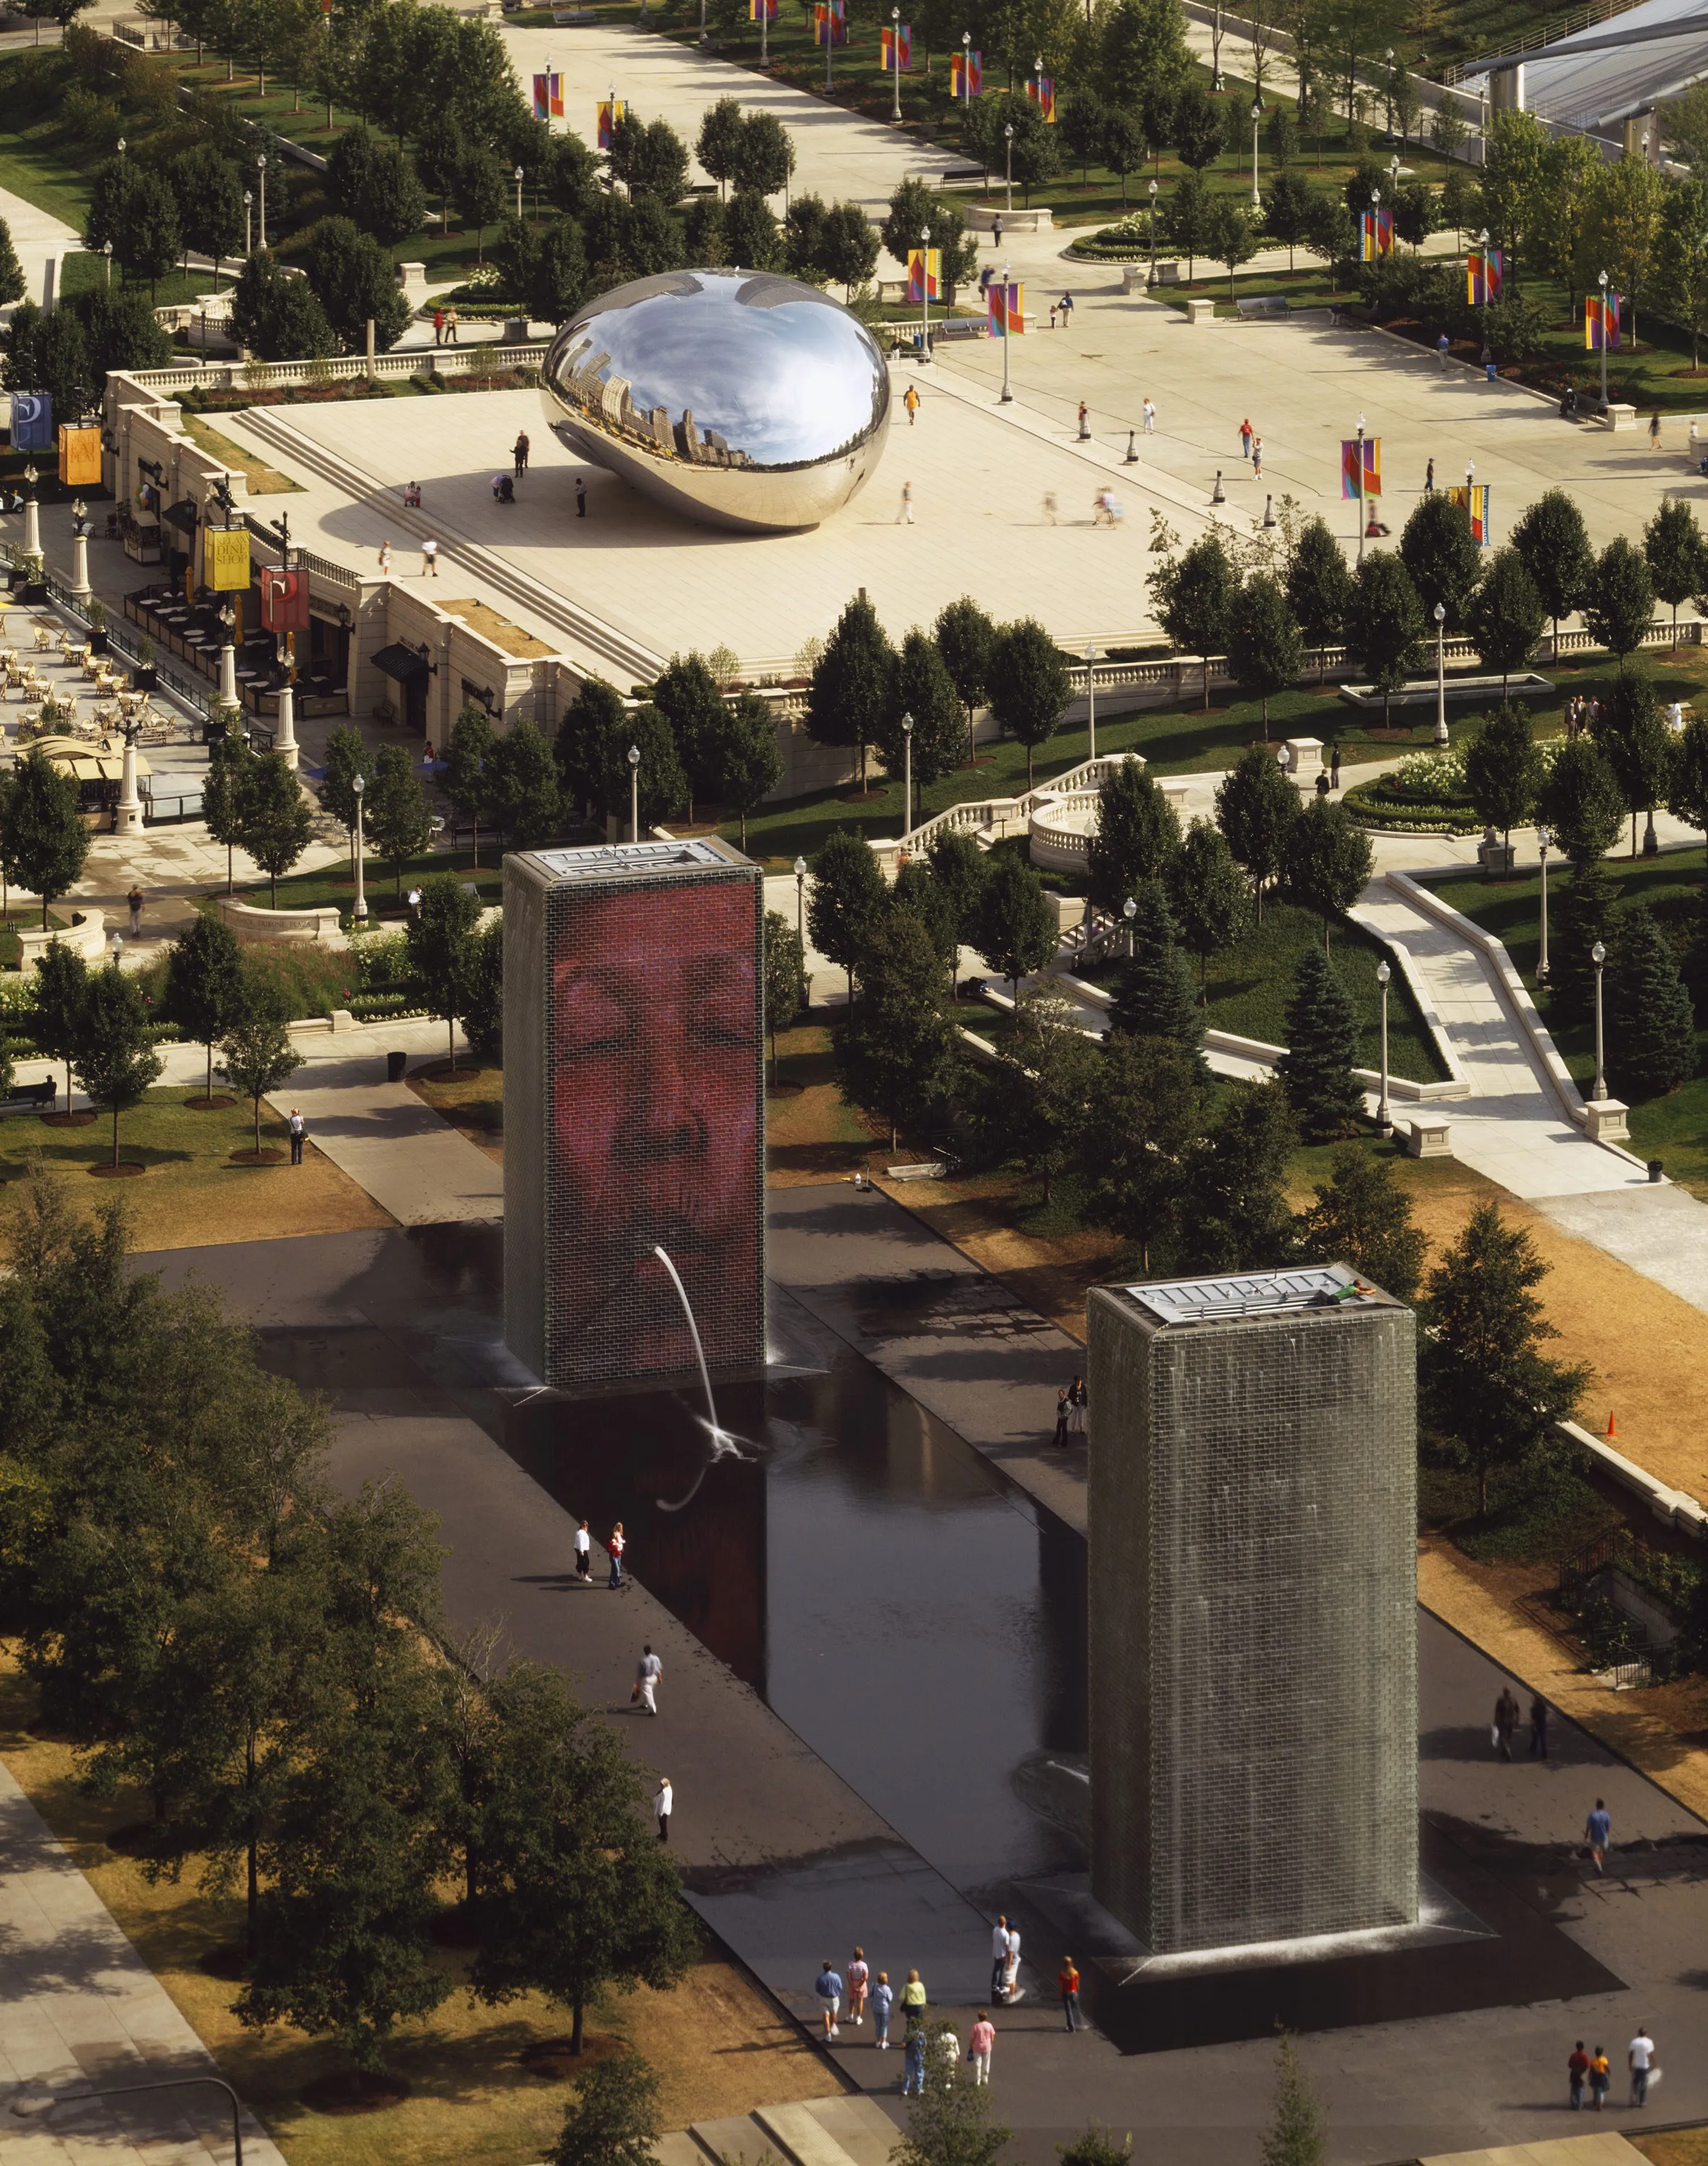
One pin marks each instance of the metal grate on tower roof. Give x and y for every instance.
(598, 858)
(1252, 1293)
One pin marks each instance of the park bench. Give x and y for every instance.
(30, 1097)
(1262, 304)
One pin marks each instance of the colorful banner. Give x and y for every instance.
(762, 10)
(225, 559)
(829, 23)
(284, 599)
(80, 458)
(1601, 320)
(1375, 235)
(31, 421)
(1474, 502)
(1356, 483)
(1041, 90)
(1484, 271)
(924, 269)
(966, 74)
(611, 111)
(897, 48)
(548, 95)
(1007, 309)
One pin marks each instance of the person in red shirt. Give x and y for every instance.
(1068, 1977)
(1576, 2068)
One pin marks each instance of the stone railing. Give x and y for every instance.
(1058, 834)
(262, 375)
(88, 940)
(1002, 815)
(251, 925)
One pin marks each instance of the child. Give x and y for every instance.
(858, 1976)
(882, 1996)
(982, 2037)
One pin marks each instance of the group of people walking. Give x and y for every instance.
(1593, 2071)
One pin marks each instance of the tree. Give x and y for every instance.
(750, 236)
(277, 316)
(921, 689)
(960, 869)
(205, 988)
(1320, 588)
(1192, 595)
(560, 274)
(1505, 615)
(1230, 237)
(1264, 649)
(468, 757)
(848, 246)
(347, 755)
(1083, 118)
(1016, 932)
(61, 993)
(1486, 1389)
(1363, 1217)
(121, 332)
(13, 285)
(1122, 145)
(1385, 630)
(1331, 234)
(848, 898)
(1255, 805)
(1154, 996)
(1325, 860)
(1096, 2146)
(1416, 213)
(1041, 1084)
(479, 190)
(915, 209)
(1198, 130)
(1321, 1043)
(1631, 733)
(949, 2124)
(750, 766)
(1503, 771)
(1688, 797)
(803, 235)
(718, 144)
(764, 155)
(115, 1058)
(1142, 1121)
(1581, 801)
(918, 890)
(1135, 834)
(1672, 548)
(851, 682)
(650, 159)
(1185, 220)
(1143, 47)
(1030, 686)
(1211, 902)
(965, 638)
(1298, 2135)
(1009, 135)
(255, 1053)
(1582, 917)
(399, 817)
(1233, 1212)
(439, 946)
(895, 1052)
(1289, 213)
(785, 972)
(522, 780)
(613, 2120)
(1438, 551)
(146, 241)
(275, 824)
(374, 186)
(1622, 231)
(207, 188)
(1682, 290)
(1651, 1025)
(46, 840)
(690, 699)
(49, 353)
(353, 279)
(1620, 606)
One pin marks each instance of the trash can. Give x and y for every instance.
(396, 1063)
(1654, 1169)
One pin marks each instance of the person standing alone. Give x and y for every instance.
(980, 2040)
(1068, 1977)
(1641, 2059)
(663, 1804)
(649, 1675)
(299, 1129)
(998, 1956)
(583, 1553)
(1597, 1832)
(1505, 1721)
(616, 1546)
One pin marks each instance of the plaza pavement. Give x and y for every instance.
(36, 234)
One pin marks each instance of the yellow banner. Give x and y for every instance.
(225, 559)
(80, 458)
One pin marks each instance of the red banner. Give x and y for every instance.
(284, 599)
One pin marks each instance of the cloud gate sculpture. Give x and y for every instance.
(736, 398)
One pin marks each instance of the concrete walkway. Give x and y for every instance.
(824, 2132)
(36, 234)
(83, 2012)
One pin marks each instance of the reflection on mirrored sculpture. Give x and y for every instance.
(737, 398)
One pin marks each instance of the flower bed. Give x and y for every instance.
(1426, 795)
(1128, 240)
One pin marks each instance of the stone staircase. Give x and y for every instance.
(845, 2130)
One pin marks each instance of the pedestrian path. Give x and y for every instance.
(1603, 2148)
(83, 2013)
(824, 2132)
(37, 236)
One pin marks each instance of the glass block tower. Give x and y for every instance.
(1252, 1601)
(634, 1112)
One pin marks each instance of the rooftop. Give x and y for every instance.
(616, 860)
(1176, 1301)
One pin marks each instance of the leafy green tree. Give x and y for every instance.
(1083, 118)
(718, 144)
(750, 765)
(920, 688)
(1631, 734)
(1143, 46)
(119, 331)
(785, 973)
(1016, 933)
(146, 239)
(1264, 649)
(1683, 294)
(559, 275)
(1320, 588)
(1486, 1389)
(352, 277)
(949, 2124)
(62, 993)
(277, 316)
(1583, 916)
(12, 286)
(613, 2118)
(1140, 1123)
(960, 868)
(1386, 626)
(914, 209)
(1255, 805)
(1620, 606)
(1043, 1079)
(751, 234)
(690, 699)
(1503, 770)
(764, 155)
(1211, 901)
(1687, 800)
(1192, 595)
(1287, 214)
(849, 687)
(49, 353)
(115, 1058)
(1651, 1025)
(256, 1053)
(594, 718)
(1198, 127)
(1136, 833)
(1416, 213)
(1030, 156)
(846, 899)
(348, 754)
(525, 799)
(895, 1054)
(1321, 1046)
(1155, 997)
(439, 947)
(399, 817)
(1231, 237)
(1331, 234)
(848, 247)
(1672, 549)
(1298, 2133)
(375, 186)
(1030, 687)
(1234, 1214)
(802, 235)
(468, 780)
(205, 987)
(207, 188)
(966, 637)
(275, 824)
(1504, 616)
(917, 889)
(1326, 861)
(1582, 802)
(1124, 144)
(46, 840)
(483, 1019)
(1096, 2146)
(1185, 220)
(1439, 552)
(1363, 1217)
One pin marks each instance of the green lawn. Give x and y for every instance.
(82, 271)
(1673, 1128)
(336, 884)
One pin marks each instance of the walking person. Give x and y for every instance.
(583, 1553)
(385, 559)
(616, 1546)
(1694, 443)
(438, 327)
(1245, 440)
(1334, 767)
(910, 399)
(1050, 507)
(1598, 1832)
(518, 453)
(1012, 1990)
(1600, 2079)
(1429, 479)
(996, 230)
(999, 1956)
(882, 1996)
(828, 1986)
(1442, 347)
(912, 2012)
(430, 558)
(1505, 1721)
(1257, 458)
(1076, 1407)
(1084, 423)
(663, 1804)
(859, 1979)
(1060, 1438)
(649, 1675)
(1150, 414)
(1640, 2059)
(1576, 2068)
(980, 2040)
(1068, 1978)
(905, 516)
(1654, 430)
(299, 1127)
(1538, 1727)
(134, 903)
(450, 327)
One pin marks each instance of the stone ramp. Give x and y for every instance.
(1603, 2148)
(842, 2131)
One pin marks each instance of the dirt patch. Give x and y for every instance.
(353, 2093)
(217, 1104)
(254, 1157)
(68, 1120)
(552, 2057)
(126, 1169)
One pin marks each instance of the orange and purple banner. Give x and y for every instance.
(762, 10)
(966, 74)
(548, 95)
(611, 111)
(1485, 270)
(897, 48)
(1007, 309)
(1375, 235)
(1601, 320)
(1474, 502)
(925, 270)
(1041, 90)
(1360, 479)
(829, 23)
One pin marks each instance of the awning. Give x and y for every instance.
(400, 663)
(182, 515)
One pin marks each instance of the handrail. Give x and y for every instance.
(260, 375)
(992, 811)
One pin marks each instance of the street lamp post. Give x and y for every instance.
(1007, 398)
(32, 513)
(895, 64)
(1598, 956)
(924, 293)
(30, 2109)
(634, 793)
(1390, 96)
(1483, 245)
(1543, 839)
(360, 912)
(518, 195)
(260, 168)
(800, 924)
(1385, 1121)
(1090, 701)
(907, 776)
(1601, 281)
(1257, 115)
(1361, 489)
(1441, 676)
(107, 251)
(1130, 911)
(966, 80)
(1008, 163)
(1151, 280)
(248, 226)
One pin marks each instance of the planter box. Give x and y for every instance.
(145, 680)
(98, 642)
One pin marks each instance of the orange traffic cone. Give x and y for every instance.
(1612, 1426)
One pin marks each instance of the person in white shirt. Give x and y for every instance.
(663, 1803)
(1641, 2059)
(583, 1553)
(999, 1956)
(1012, 1990)
(649, 1673)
